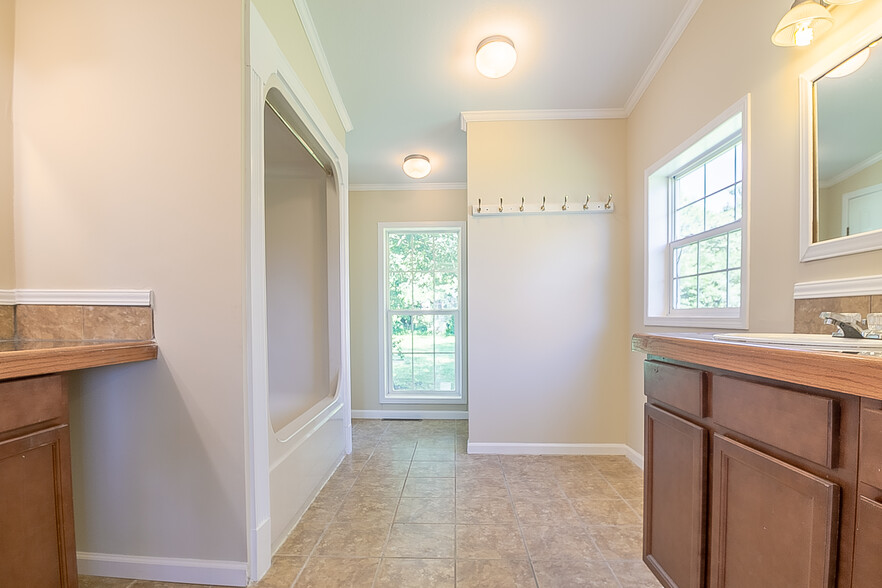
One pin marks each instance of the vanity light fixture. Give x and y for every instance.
(416, 166)
(850, 66)
(495, 56)
(803, 22)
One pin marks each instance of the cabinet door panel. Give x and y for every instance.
(868, 544)
(784, 522)
(674, 535)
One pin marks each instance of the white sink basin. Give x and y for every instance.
(816, 342)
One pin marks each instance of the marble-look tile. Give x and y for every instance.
(431, 469)
(371, 510)
(383, 468)
(569, 573)
(356, 539)
(282, 573)
(322, 572)
(7, 321)
(416, 573)
(481, 510)
(48, 322)
(421, 541)
(612, 465)
(605, 512)
(103, 582)
(377, 486)
(133, 323)
(481, 573)
(544, 488)
(482, 487)
(533, 511)
(619, 542)
(806, 311)
(634, 574)
(394, 453)
(302, 539)
(426, 510)
(489, 542)
(588, 488)
(429, 487)
(153, 584)
(560, 541)
(434, 454)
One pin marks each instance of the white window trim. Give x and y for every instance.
(657, 270)
(384, 338)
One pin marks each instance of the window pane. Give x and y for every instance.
(445, 372)
(720, 209)
(423, 371)
(402, 333)
(712, 254)
(423, 291)
(422, 251)
(402, 371)
(423, 334)
(690, 220)
(738, 200)
(734, 288)
(445, 334)
(712, 290)
(446, 248)
(689, 188)
(399, 252)
(738, 162)
(446, 288)
(721, 171)
(686, 292)
(735, 249)
(400, 291)
(686, 260)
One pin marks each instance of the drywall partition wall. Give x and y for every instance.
(7, 53)
(547, 346)
(128, 174)
(701, 78)
(367, 209)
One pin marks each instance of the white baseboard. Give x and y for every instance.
(163, 569)
(411, 414)
(262, 549)
(557, 449)
(78, 297)
(7, 296)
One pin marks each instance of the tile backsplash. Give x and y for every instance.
(76, 323)
(806, 311)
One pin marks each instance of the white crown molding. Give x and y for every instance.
(860, 166)
(406, 187)
(79, 297)
(661, 55)
(860, 286)
(411, 414)
(468, 116)
(322, 60)
(163, 569)
(556, 449)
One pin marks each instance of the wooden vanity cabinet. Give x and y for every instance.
(36, 499)
(868, 527)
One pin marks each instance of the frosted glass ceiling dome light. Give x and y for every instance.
(496, 56)
(416, 166)
(803, 22)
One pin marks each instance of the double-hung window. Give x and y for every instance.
(421, 298)
(696, 231)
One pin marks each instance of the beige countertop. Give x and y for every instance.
(848, 373)
(20, 359)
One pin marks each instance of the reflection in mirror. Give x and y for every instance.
(848, 165)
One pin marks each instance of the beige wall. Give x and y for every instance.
(7, 52)
(547, 346)
(830, 208)
(366, 210)
(704, 75)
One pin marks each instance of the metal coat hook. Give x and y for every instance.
(608, 200)
(522, 204)
(564, 207)
(479, 205)
(500, 204)
(587, 200)
(543, 204)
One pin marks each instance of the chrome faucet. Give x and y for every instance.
(851, 325)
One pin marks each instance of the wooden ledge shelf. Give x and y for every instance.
(19, 359)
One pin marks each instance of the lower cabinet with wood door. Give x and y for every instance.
(36, 501)
(753, 483)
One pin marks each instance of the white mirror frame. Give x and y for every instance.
(809, 250)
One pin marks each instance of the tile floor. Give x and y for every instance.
(409, 508)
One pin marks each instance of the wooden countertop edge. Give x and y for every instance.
(34, 362)
(840, 372)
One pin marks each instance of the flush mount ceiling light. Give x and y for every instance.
(496, 56)
(853, 64)
(416, 166)
(803, 22)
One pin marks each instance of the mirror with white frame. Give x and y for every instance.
(841, 150)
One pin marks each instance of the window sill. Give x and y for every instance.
(698, 322)
(422, 399)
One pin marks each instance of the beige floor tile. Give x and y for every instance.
(282, 573)
(421, 541)
(379, 487)
(636, 504)
(381, 467)
(429, 487)
(533, 511)
(605, 512)
(441, 441)
(588, 488)
(426, 510)
(329, 572)
(559, 542)
(428, 454)
(478, 487)
(416, 573)
(103, 582)
(544, 488)
(394, 453)
(489, 542)
(615, 464)
(494, 573)
(367, 510)
(480, 510)
(572, 573)
(628, 488)
(634, 574)
(474, 459)
(432, 469)
(353, 540)
(302, 539)
(619, 542)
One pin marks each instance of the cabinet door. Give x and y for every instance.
(772, 524)
(36, 511)
(674, 523)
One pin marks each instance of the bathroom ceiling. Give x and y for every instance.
(405, 69)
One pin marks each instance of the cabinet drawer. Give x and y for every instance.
(680, 387)
(870, 468)
(31, 401)
(798, 423)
